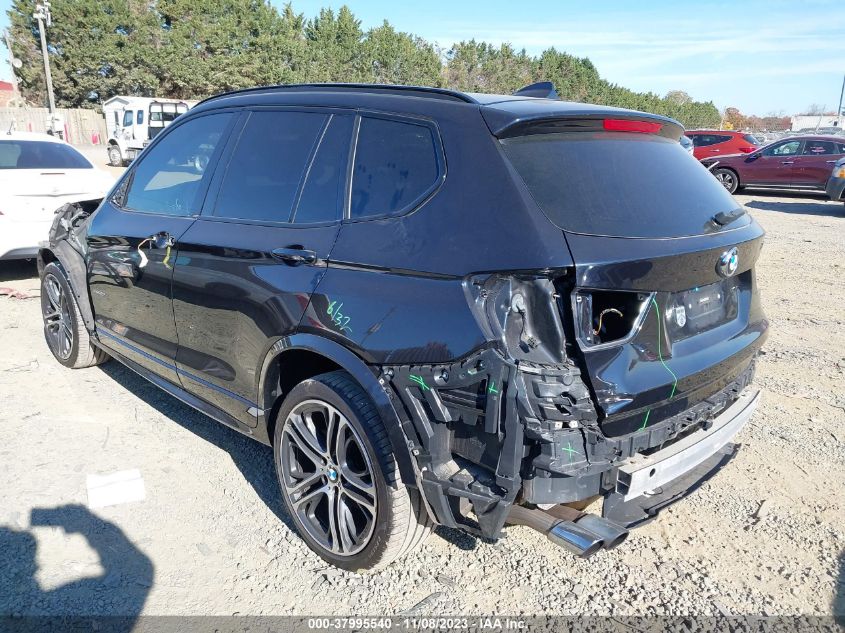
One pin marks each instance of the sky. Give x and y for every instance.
(762, 56)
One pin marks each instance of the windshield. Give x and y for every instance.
(620, 184)
(40, 155)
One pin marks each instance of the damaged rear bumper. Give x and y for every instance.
(488, 433)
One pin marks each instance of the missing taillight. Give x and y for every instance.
(604, 316)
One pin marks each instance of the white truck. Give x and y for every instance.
(132, 122)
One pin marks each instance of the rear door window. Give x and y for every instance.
(324, 188)
(397, 166)
(618, 184)
(819, 148)
(269, 165)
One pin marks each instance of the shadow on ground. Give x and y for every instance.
(253, 459)
(794, 202)
(120, 590)
(18, 269)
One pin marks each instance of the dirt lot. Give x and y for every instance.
(766, 536)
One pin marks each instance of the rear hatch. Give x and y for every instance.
(663, 305)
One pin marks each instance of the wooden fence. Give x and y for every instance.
(81, 126)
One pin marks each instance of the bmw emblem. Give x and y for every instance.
(728, 263)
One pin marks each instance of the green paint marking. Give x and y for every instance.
(492, 388)
(420, 381)
(660, 357)
(645, 421)
(338, 318)
(570, 451)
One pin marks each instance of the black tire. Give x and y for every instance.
(728, 178)
(115, 156)
(400, 521)
(64, 329)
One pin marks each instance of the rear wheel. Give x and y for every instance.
(64, 329)
(339, 477)
(728, 179)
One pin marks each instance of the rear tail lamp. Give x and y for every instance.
(747, 149)
(626, 125)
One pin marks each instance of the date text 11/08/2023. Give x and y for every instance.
(486, 623)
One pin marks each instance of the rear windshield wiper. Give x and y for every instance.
(724, 218)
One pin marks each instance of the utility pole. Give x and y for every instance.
(42, 14)
(839, 111)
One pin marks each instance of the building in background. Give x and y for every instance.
(814, 121)
(7, 93)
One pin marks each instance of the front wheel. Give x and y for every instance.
(64, 329)
(339, 477)
(728, 179)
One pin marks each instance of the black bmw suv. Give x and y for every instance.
(443, 308)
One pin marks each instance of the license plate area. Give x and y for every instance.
(699, 309)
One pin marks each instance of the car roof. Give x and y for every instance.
(815, 137)
(30, 136)
(717, 132)
(503, 113)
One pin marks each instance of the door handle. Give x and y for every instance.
(294, 255)
(787, 162)
(830, 161)
(162, 239)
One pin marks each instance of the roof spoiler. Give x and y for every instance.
(539, 90)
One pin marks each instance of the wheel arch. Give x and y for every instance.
(73, 266)
(301, 356)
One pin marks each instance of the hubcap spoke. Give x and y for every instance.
(305, 439)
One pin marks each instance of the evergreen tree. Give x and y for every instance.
(195, 48)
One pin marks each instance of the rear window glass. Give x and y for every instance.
(618, 184)
(750, 139)
(40, 155)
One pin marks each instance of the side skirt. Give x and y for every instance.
(180, 394)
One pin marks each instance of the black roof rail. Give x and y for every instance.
(539, 90)
(414, 91)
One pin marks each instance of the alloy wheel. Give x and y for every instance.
(726, 179)
(55, 309)
(328, 477)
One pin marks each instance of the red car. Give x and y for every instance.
(797, 162)
(709, 143)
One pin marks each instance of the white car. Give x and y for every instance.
(38, 174)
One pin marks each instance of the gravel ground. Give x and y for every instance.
(766, 536)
